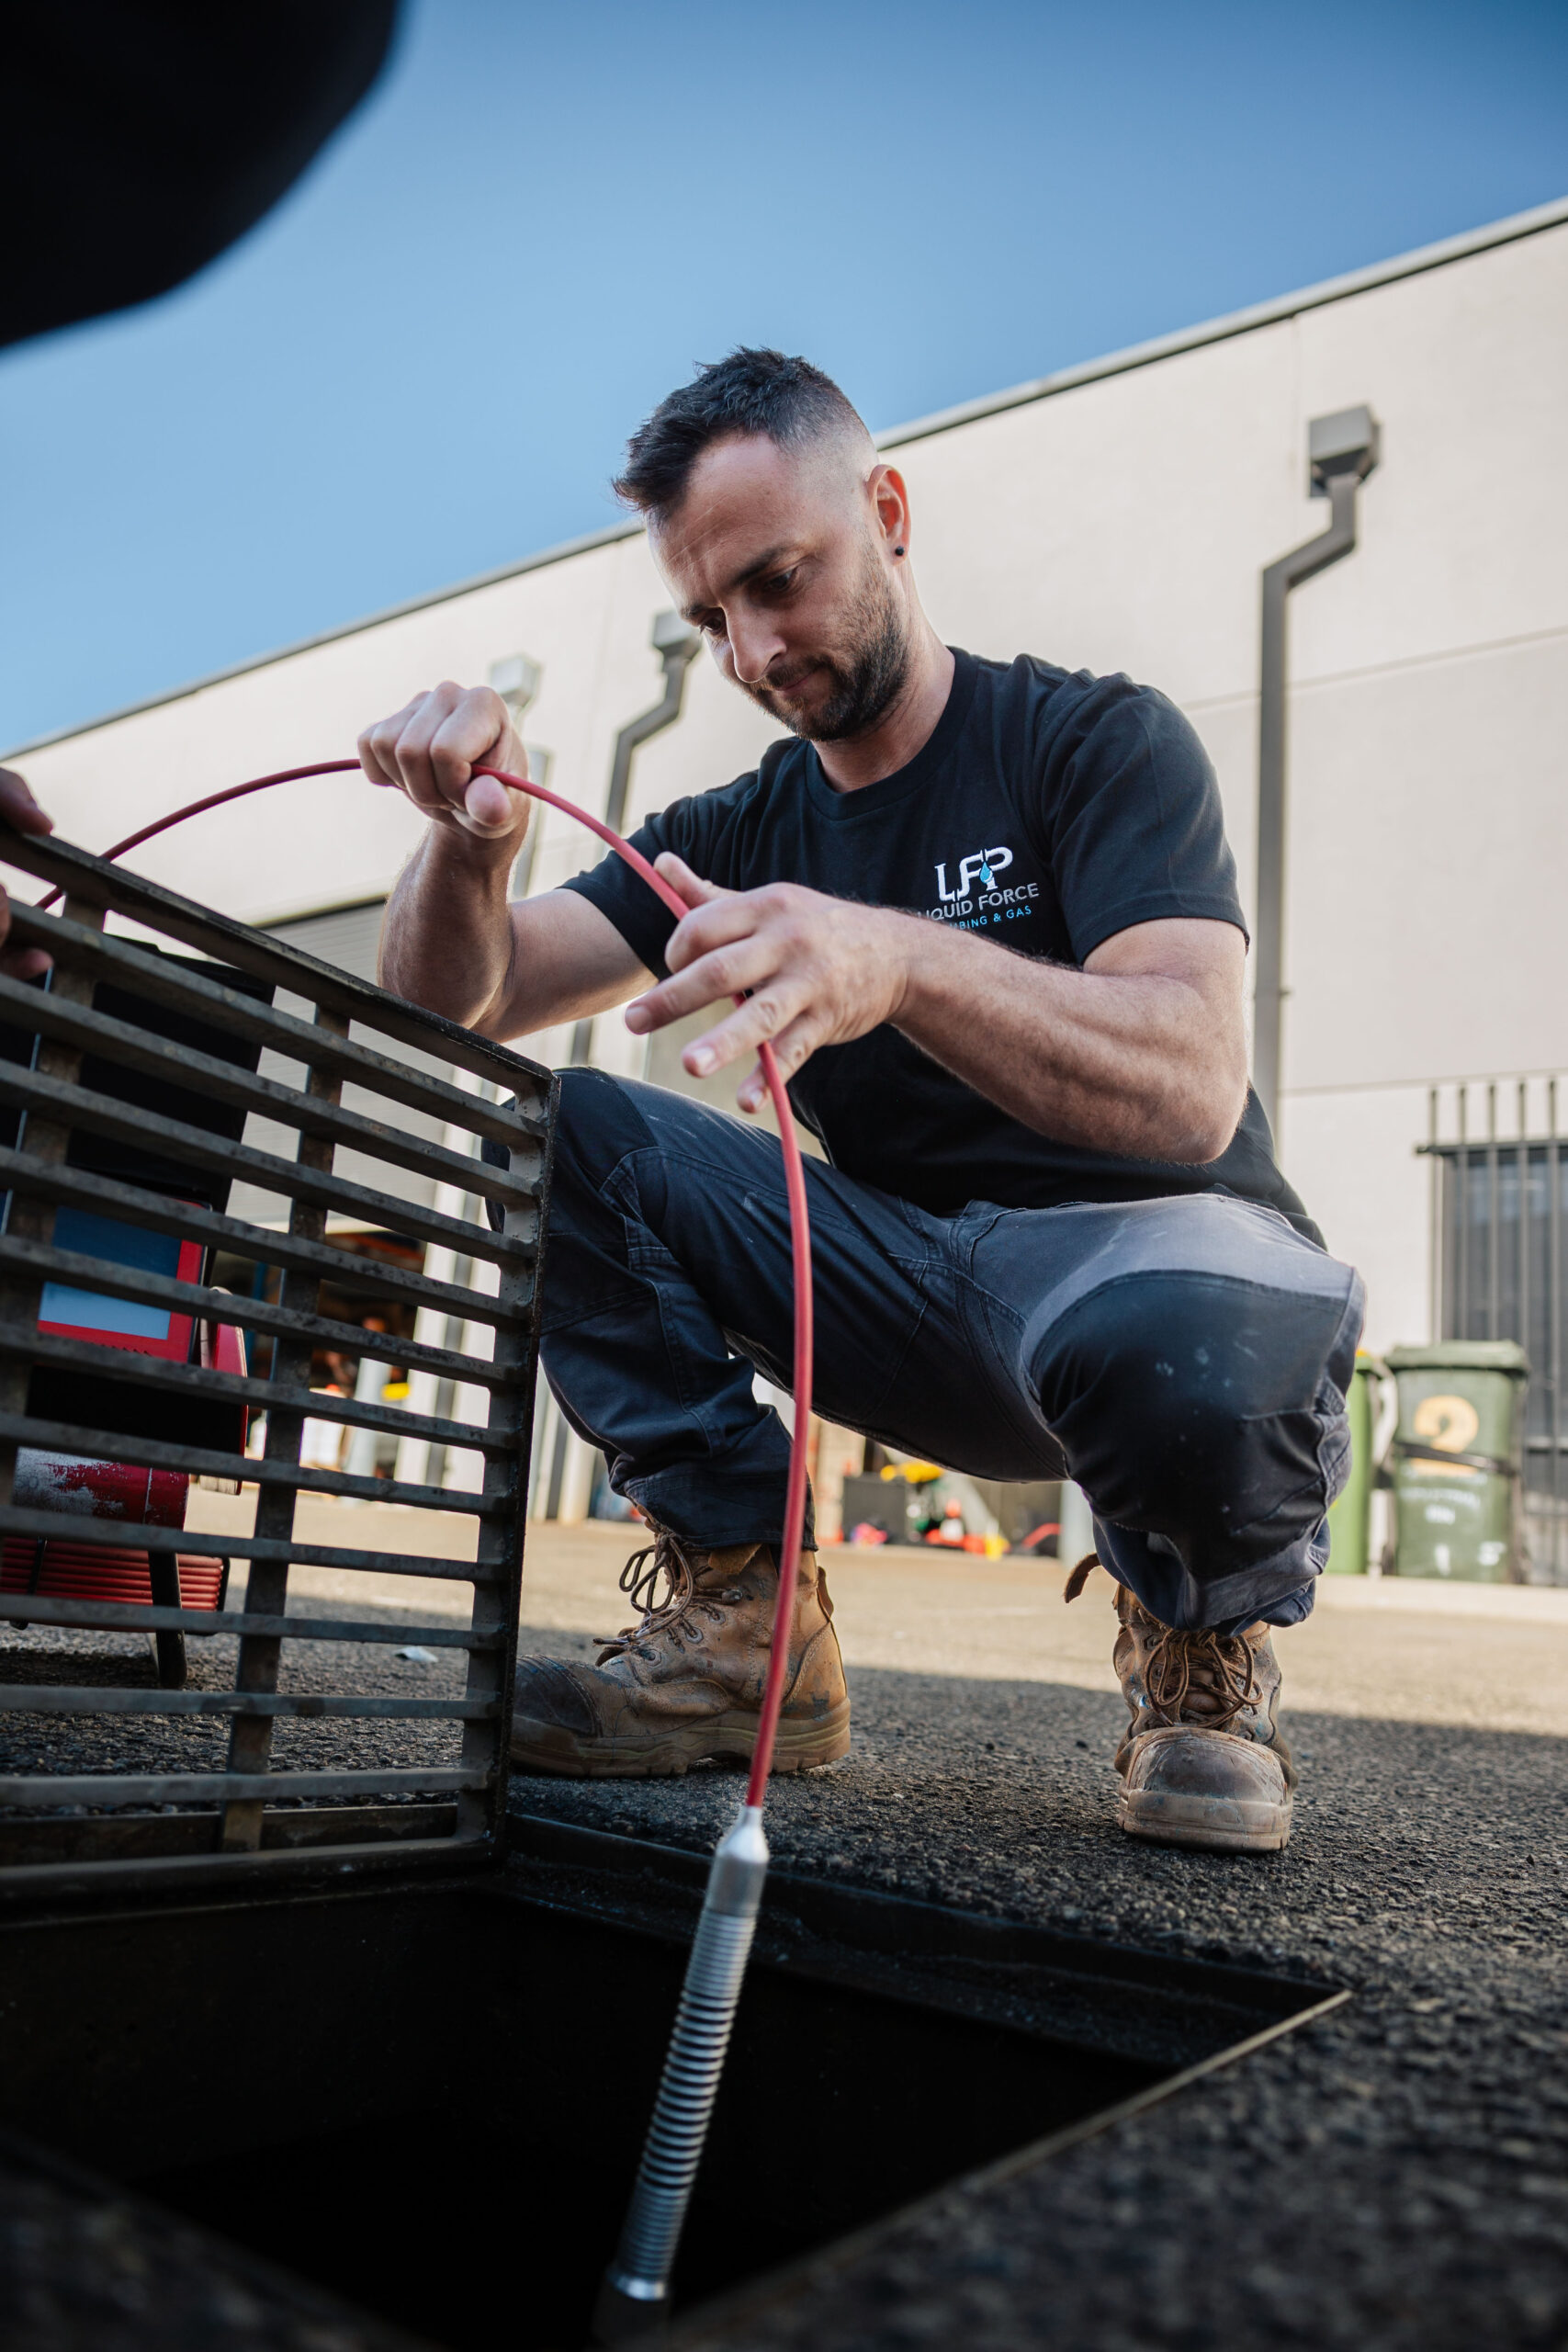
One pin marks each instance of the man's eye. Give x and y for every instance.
(781, 582)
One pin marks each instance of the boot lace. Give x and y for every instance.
(1217, 1670)
(669, 1562)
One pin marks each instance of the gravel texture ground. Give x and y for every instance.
(1393, 2176)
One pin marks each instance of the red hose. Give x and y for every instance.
(795, 1186)
(213, 800)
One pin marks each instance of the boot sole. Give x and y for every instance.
(1219, 1825)
(801, 1745)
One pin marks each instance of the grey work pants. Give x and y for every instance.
(1185, 1360)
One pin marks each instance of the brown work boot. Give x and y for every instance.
(686, 1681)
(1202, 1760)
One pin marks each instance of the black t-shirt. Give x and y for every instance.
(1047, 811)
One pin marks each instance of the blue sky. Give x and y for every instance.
(425, 363)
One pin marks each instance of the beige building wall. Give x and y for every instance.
(1117, 518)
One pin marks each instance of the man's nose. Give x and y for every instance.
(755, 644)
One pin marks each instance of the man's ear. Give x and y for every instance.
(890, 503)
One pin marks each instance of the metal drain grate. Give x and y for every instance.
(138, 1082)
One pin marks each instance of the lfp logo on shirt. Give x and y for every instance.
(982, 865)
(978, 900)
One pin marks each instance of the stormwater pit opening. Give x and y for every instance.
(428, 2098)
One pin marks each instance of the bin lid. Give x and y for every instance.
(1464, 1355)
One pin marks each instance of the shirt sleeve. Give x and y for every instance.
(1133, 816)
(641, 917)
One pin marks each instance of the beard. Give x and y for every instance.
(868, 673)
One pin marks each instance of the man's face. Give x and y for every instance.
(779, 557)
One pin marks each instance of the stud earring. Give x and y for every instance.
(898, 550)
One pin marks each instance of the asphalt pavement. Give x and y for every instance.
(1393, 2176)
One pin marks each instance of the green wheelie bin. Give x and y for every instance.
(1349, 1518)
(1456, 1460)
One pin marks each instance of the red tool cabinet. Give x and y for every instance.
(78, 1486)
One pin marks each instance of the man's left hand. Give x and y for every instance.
(813, 971)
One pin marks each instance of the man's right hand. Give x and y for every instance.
(429, 751)
(452, 941)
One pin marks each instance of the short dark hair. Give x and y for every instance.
(751, 391)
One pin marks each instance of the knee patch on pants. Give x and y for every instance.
(1203, 1409)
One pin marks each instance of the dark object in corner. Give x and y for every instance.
(144, 136)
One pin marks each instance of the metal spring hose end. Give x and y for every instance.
(635, 2298)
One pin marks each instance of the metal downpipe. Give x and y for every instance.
(1342, 451)
(676, 645)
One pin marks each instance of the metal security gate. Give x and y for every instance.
(1499, 1219)
(136, 1093)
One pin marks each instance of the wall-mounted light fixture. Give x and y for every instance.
(516, 680)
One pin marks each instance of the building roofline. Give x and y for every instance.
(557, 554)
(1065, 379)
(1257, 314)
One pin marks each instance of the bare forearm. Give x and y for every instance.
(447, 942)
(1141, 1065)
(1143, 1052)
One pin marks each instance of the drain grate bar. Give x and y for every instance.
(94, 886)
(249, 1315)
(65, 1437)
(61, 1699)
(348, 1057)
(100, 1194)
(273, 1551)
(113, 1616)
(101, 1114)
(139, 1105)
(150, 1372)
(34, 1791)
(314, 1115)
